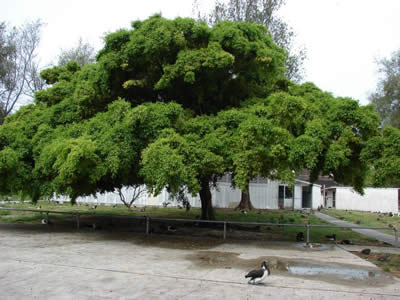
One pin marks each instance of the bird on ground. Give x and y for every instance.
(331, 237)
(366, 251)
(171, 228)
(300, 237)
(258, 275)
(46, 222)
(347, 242)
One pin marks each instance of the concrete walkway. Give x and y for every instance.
(367, 232)
(41, 262)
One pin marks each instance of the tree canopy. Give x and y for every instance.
(175, 104)
(382, 152)
(201, 68)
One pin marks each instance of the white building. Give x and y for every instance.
(264, 194)
(374, 199)
(270, 194)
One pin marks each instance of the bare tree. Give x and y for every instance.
(83, 54)
(262, 12)
(387, 95)
(138, 190)
(19, 71)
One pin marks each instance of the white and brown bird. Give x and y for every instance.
(258, 275)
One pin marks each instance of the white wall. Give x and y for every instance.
(262, 195)
(298, 194)
(317, 198)
(265, 196)
(227, 196)
(375, 199)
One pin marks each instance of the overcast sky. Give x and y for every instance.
(343, 37)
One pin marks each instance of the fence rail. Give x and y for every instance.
(148, 219)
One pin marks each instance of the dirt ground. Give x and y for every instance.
(48, 262)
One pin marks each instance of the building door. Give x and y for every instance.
(285, 196)
(281, 196)
(334, 199)
(398, 199)
(330, 200)
(306, 200)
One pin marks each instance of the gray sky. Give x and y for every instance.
(342, 37)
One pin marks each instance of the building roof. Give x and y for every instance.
(326, 181)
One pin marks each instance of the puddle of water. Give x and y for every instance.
(341, 273)
(349, 275)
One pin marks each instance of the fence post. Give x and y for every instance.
(47, 217)
(77, 221)
(147, 225)
(224, 230)
(308, 234)
(396, 237)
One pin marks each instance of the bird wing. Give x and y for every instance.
(255, 273)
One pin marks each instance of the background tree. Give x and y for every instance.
(83, 53)
(262, 12)
(137, 191)
(387, 95)
(19, 71)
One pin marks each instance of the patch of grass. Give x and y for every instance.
(387, 262)
(367, 219)
(272, 232)
(20, 217)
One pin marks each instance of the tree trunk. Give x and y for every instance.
(245, 203)
(207, 211)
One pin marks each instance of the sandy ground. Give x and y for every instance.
(54, 263)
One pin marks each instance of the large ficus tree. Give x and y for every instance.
(69, 148)
(174, 104)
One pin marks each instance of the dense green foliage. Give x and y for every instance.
(204, 69)
(174, 104)
(382, 152)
